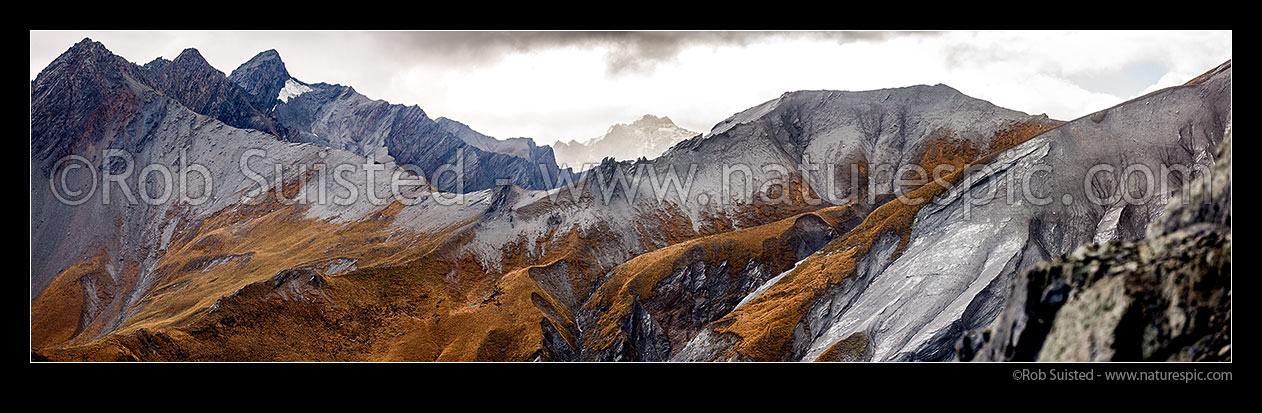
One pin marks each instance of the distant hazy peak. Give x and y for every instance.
(650, 119)
(646, 122)
(648, 136)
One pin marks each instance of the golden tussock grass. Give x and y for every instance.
(847, 349)
(637, 278)
(263, 238)
(59, 314)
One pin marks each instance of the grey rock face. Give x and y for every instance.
(90, 100)
(555, 348)
(703, 284)
(1166, 297)
(643, 339)
(263, 76)
(889, 126)
(699, 293)
(738, 162)
(830, 133)
(962, 253)
(79, 101)
(519, 147)
(648, 341)
(950, 244)
(1207, 200)
(339, 117)
(197, 85)
(82, 96)
(308, 276)
(542, 157)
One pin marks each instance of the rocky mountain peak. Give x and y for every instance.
(266, 55)
(192, 81)
(190, 63)
(187, 67)
(266, 62)
(264, 75)
(84, 91)
(86, 56)
(154, 65)
(87, 46)
(191, 56)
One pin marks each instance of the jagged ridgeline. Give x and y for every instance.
(526, 268)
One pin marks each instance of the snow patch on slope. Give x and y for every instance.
(292, 89)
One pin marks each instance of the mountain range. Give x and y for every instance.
(647, 137)
(798, 231)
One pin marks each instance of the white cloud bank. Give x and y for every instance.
(564, 89)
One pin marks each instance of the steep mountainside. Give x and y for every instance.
(112, 247)
(620, 263)
(263, 77)
(551, 249)
(1164, 297)
(520, 147)
(912, 278)
(339, 117)
(647, 137)
(193, 82)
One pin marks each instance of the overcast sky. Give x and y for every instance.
(574, 85)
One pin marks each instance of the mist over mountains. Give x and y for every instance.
(647, 137)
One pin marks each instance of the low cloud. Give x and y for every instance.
(628, 52)
(573, 85)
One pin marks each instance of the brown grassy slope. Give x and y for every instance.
(248, 242)
(410, 312)
(412, 299)
(848, 349)
(435, 308)
(763, 328)
(343, 320)
(64, 310)
(376, 312)
(275, 241)
(637, 278)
